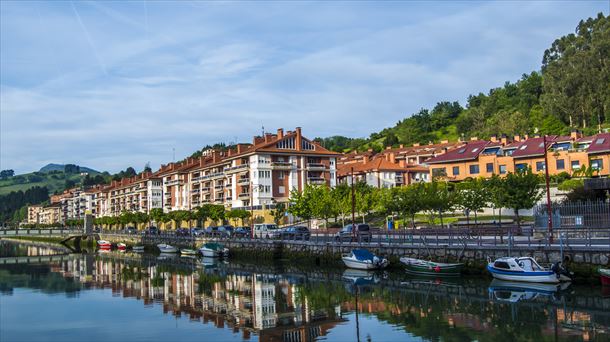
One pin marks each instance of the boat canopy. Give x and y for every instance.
(215, 246)
(363, 254)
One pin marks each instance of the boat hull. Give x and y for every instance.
(428, 268)
(359, 265)
(548, 277)
(188, 252)
(210, 253)
(605, 277)
(167, 249)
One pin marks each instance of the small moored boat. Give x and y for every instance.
(186, 251)
(165, 248)
(528, 270)
(214, 250)
(425, 267)
(104, 244)
(138, 248)
(362, 259)
(121, 246)
(514, 291)
(604, 275)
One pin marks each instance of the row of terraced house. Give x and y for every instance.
(263, 173)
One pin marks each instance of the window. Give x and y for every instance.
(286, 144)
(597, 164)
(575, 164)
(264, 174)
(474, 150)
(490, 167)
(306, 145)
(540, 166)
(456, 170)
(439, 172)
(474, 169)
(561, 164)
(521, 167)
(600, 141)
(502, 169)
(280, 175)
(523, 147)
(281, 189)
(462, 150)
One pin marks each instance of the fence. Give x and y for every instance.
(591, 214)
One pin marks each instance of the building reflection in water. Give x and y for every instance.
(282, 308)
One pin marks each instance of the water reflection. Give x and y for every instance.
(288, 303)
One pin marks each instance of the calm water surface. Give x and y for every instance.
(145, 297)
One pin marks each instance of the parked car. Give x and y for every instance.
(197, 231)
(362, 233)
(295, 233)
(130, 230)
(151, 231)
(220, 231)
(242, 232)
(266, 230)
(183, 232)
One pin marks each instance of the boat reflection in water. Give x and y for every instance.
(272, 302)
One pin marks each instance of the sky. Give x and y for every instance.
(108, 84)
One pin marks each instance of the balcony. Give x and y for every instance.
(219, 187)
(316, 180)
(228, 198)
(173, 182)
(316, 167)
(228, 185)
(243, 181)
(195, 191)
(236, 169)
(205, 189)
(282, 165)
(244, 195)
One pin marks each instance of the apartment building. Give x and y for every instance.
(142, 193)
(482, 158)
(51, 214)
(34, 214)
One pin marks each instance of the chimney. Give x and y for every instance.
(517, 138)
(229, 152)
(201, 159)
(298, 138)
(258, 140)
(365, 159)
(504, 139)
(402, 146)
(526, 136)
(493, 138)
(369, 150)
(416, 145)
(474, 138)
(280, 133)
(402, 163)
(444, 141)
(392, 158)
(388, 147)
(575, 134)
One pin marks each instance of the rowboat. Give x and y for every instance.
(362, 259)
(104, 244)
(165, 248)
(604, 275)
(528, 270)
(214, 250)
(425, 267)
(186, 251)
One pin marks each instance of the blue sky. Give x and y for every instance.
(113, 84)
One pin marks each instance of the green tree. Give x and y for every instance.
(438, 197)
(157, 215)
(472, 196)
(301, 204)
(521, 191)
(217, 213)
(279, 212)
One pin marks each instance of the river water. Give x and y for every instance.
(116, 296)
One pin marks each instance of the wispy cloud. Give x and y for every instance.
(108, 84)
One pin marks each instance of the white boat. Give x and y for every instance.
(526, 269)
(165, 248)
(138, 248)
(121, 246)
(514, 291)
(187, 251)
(362, 259)
(214, 250)
(104, 244)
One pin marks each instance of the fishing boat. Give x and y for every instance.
(604, 275)
(362, 259)
(138, 248)
(186, 251)
(165, 248)
(425, 267)
(121, 246)
(528, 270)
(214, 250)
(104, 244)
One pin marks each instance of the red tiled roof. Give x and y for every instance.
(470, 151)
(376, 164)
(600, 143)
(533, 147)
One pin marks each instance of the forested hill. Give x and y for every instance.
(572, 90)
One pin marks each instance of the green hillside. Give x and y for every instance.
(570, 92)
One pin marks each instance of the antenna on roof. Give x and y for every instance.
(263, 129)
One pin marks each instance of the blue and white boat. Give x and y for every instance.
(514, 291)
(526, 269)
(362, 259)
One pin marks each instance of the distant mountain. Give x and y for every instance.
(60, 167)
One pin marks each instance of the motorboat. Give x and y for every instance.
(360, 277)
(515, 291)
(104, 244)
(362, 259)
(604, 275)
(138, 248)
(528, 270)
(214, 250)
(186, 251)
(165, 248)
(426, 267)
